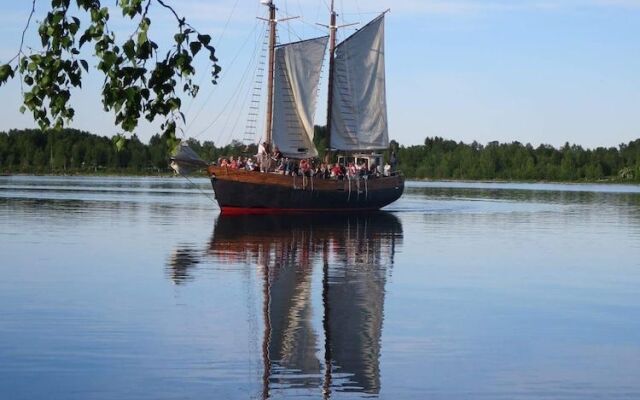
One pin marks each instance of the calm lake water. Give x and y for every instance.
(136, 288)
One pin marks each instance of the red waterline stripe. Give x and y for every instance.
(261, 211)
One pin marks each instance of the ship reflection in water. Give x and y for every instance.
(349, 258)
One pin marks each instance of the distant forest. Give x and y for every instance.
(72, 151)
(75, 152)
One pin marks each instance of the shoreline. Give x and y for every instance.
(611, 181)
(581, 182)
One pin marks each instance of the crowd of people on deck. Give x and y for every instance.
(275, 162)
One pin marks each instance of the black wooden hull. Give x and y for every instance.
(253, 192)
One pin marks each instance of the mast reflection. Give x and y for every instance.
(181, 261)
(353, 255)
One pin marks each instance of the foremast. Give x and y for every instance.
(333, 28)
(273, 21)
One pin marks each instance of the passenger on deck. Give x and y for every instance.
(373, 170)
(264, 156)
(295, 169)
(323, 171)
(305, 167)
(336, 172)
(285, 163)
(277, 155)
(233, 164)
(393, 160)
(387, 170)
(249, 165)
(260, 156)
(352, 170)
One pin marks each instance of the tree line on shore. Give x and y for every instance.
(446, 159)
(76, 152)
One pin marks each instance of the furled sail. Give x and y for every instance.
(297, 74)
(359, 107)
(185, 160)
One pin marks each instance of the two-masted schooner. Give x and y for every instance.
(356, 122)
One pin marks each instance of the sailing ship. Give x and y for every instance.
(356, 124)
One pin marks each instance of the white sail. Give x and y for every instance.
(359, 106)
(297, 74)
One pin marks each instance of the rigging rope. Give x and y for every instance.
(213, 200)
(238, 93)
(238, 115)
(241, 84)
(224, 29)
(215, 87)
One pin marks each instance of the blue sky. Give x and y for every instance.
(537, 71)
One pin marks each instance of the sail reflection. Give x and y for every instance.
(347, 259)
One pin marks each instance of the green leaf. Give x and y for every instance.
(119, 142)
(6, 72)
(73, 28)
(109, 59)
(86, 36)
(195, 47)
(57, 17)
(174, 103)
(205, 39)
(142, 37)
(129, 49)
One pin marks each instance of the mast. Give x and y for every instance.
(332, 46)
(272, 45)
(326, 382)
(266, 340)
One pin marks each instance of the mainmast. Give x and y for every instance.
(333, 27)
(272, 45)
(332, 46)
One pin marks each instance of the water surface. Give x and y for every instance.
(136, 288)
